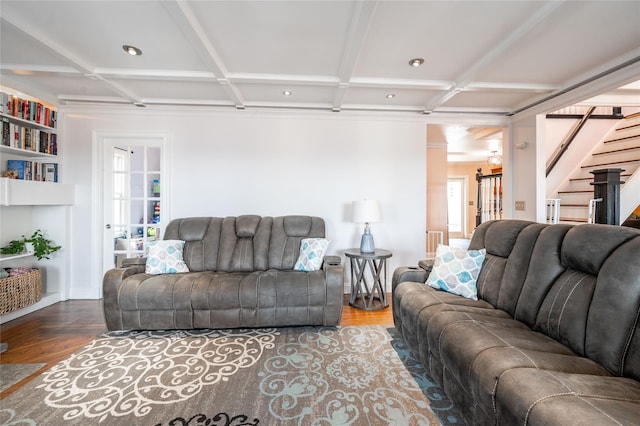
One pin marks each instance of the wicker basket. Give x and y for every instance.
(20, 291)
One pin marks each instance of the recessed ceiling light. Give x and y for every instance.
(416, 62)
(132, 50)
(287, 93)
(391, 95)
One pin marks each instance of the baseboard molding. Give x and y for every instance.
(46, 300)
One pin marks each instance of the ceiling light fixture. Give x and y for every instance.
(132, 50)
(494, 159)
(416, 62)
(391, 95)
(287, 93)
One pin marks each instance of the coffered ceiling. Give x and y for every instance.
(480, 57)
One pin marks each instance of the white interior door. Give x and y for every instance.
(132, 198)
(456, 212)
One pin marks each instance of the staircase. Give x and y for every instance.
(620, 149)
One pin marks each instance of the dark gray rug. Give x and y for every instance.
(10, 374)
(288, 376)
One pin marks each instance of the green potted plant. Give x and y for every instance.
(42, 246)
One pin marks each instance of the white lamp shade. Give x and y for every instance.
(366, 211)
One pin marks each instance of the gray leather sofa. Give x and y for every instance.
(241, 275)
(554, 337)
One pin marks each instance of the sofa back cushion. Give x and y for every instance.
(509, 244)
(202, 240)
(286, 235)
(613, 321)
(543, 270)
(577, 284)
(244, 243)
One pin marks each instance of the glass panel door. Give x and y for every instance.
(132, 199)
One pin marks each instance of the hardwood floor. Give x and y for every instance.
(52, 334)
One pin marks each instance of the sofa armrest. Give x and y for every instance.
(426, 264)
(131, 261)
(334, 278)
(408, 273)
(110, 284)
(332, 260)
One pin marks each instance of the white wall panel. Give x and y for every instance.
(228, 164)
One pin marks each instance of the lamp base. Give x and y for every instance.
(366, 243)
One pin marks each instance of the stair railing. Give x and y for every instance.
(489, 197)
(567, 141)
(592, 209)
(553, 210)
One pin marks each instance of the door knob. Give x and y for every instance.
(108, 226)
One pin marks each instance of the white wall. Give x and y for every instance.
(522, 170)
(228, 164)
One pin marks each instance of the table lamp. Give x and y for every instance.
(366, 211)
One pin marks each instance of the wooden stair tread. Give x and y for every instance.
(633, 148)
(621, 139)
(613, 163)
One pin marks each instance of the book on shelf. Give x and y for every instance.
(50, 172)
(34, 170)
(30, 139)
(27, 109)
(19, 166)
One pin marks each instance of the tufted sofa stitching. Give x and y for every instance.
(564, 305)
(494, 391)
(626, 346)
(445, 329)
(555, 298)
(507, 345)
(581, 396)
(490, 262)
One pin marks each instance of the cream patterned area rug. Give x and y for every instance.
(281, 376)
(10, 374)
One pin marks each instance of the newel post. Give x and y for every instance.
(606, 185)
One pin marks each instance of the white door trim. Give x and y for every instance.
(97, 197)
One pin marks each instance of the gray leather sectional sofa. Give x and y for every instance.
(554, 338)
(241, 275)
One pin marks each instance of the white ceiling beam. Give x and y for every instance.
(30, 69)
(355, 40)
(510, 87)
(397, 83)
(286, 79)
(64, 54)
(187, 21)
(136, 74)
(487, 60)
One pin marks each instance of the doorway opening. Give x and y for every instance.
(456, 206)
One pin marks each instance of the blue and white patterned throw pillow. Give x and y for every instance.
(312, 251)
(165, 257)
(456, 270)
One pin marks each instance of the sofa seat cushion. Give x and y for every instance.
(157, 292)
(260, 299)
(458, 343)
(532, 397)
(490, 365)
(411, 298)
(224, 299)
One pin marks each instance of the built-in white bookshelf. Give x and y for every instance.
(37, 202)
